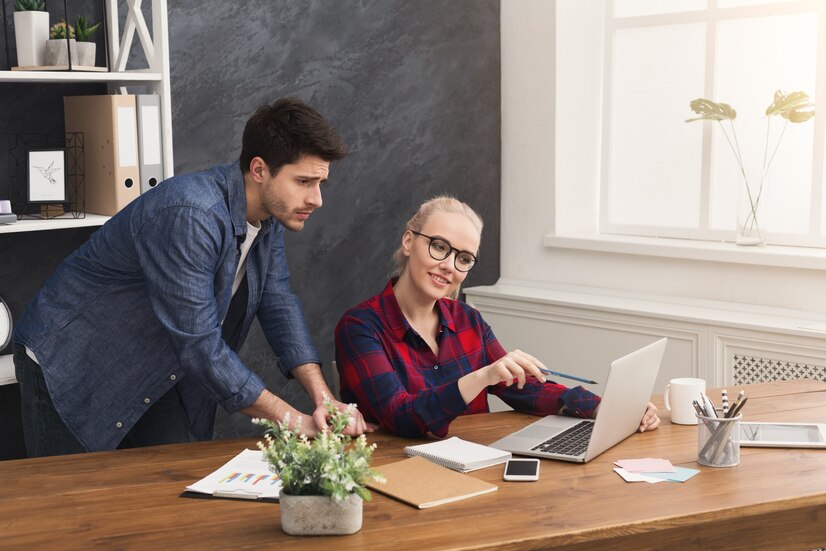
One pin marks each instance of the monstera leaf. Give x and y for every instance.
(711, 110)
(794, 107)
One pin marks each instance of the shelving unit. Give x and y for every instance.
(156, 77)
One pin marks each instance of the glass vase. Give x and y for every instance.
(752, 208)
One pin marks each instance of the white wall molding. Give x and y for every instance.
(589, 318)
(587, 328)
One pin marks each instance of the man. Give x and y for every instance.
(133, 340)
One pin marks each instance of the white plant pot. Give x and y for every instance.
(320, 515)
(56, 53)
(86, 54)
(31, 31)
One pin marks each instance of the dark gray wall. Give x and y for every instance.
(413, 87)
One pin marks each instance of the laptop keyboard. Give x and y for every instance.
(572, 441)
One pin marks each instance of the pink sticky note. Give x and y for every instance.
(647, 465)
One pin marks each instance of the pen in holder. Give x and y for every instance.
(718, 441)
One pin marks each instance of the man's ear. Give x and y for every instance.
(258, 168)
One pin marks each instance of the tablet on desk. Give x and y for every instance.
(783, 435)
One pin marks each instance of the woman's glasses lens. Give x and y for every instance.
(440, 249)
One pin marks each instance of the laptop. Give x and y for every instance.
(626, 395)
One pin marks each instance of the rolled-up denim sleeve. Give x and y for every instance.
(179, 252)
(281, 315)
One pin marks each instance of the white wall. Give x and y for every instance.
(537, 162)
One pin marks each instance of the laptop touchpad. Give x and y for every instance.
(537, 433)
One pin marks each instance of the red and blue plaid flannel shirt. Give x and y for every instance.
(396, 379)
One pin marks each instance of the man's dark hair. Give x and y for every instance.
(287, 130)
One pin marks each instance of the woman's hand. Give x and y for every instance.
(516, 365)
(513, 365)
(650, 420)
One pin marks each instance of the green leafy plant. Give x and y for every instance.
(29, 5)
(794, 107)
(84, 31)
(58, 30)
(332, 464)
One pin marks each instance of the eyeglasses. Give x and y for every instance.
(440, 249)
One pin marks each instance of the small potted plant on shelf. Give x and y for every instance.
(31, 30)
(323, 478)
(56, 51)
(85, 46)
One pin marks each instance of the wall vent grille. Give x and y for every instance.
(751, 369)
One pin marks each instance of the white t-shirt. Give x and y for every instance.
(252, 233)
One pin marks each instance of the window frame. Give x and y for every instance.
(711, 16)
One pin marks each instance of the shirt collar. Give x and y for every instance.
(395, 318)
(237, 201)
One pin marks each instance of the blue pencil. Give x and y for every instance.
(574, 377)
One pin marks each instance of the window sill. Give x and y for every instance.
(770, 255)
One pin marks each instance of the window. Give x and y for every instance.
(663, 177)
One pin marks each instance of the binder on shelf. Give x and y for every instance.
(109, 127)
(150, 140)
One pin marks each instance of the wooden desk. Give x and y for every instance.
(775, 499)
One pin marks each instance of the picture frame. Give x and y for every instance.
(46, 175)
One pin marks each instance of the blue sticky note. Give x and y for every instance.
(681, 475)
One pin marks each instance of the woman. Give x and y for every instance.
(413, 360)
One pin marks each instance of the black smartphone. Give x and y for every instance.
(522, 470)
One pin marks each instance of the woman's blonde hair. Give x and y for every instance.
(442, 203)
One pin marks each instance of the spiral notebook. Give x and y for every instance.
(459, 455)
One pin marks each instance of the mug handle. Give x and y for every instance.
(665, 397)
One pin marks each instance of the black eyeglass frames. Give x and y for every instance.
(440, 249)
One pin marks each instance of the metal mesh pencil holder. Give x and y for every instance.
(718, 441)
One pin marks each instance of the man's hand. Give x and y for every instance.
(356, 426)
(270, 406)
(311, 378)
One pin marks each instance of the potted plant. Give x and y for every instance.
(56, 51)
(794, 107)
(85, 47)
(31, 30)
(323, 478)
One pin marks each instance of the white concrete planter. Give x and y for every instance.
(56, 53)
(320, 515)
(86, 54)
(31, 31)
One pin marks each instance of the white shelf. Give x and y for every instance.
(62, 223)
(125, 77)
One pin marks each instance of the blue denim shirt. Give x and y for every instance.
(137, 309)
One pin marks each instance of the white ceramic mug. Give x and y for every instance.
(679, 395)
